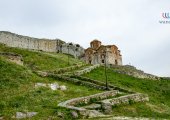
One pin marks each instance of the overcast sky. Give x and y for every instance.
(132, 25)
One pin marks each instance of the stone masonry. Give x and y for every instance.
(101, 54)
(48, 45)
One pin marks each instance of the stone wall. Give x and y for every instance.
(71, 104)
(49, 45)
(14, 40)
(87, 99)
(73, 49)
(107, 104)
(76, 81)
(97, 82)
(102, 98)
(86, 70)
(127, 99)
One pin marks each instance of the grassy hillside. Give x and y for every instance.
(41, 60)
(158, 91)
(19, 94)
(17, 86)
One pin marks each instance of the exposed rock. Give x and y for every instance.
(1, 118)
(126, 118)
(13, 57)
(107, 108)
(74, 114)
(42, 73)
(54, 86)
(63, 87)
(20, 115)
(60, 114)
(31, 114)
(94, 113)
(40, 85)
(132, 71)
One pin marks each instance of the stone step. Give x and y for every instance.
(78, 82)
(97, 82)
(92, 106)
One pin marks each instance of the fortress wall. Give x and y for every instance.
(14, 40)
(73, 50)
(47, 45)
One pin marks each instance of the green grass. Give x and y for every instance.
(42, 60)
(18, 93)
(158, 91)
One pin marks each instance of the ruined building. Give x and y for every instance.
(103, 54)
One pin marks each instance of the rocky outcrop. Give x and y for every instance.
(132, 71)
(13, 57)
(21, 115)
(53, 86)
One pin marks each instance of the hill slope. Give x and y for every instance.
(41, 60)
(158, 91)
(19, 93)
